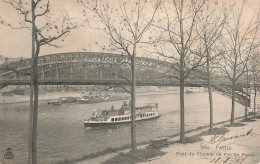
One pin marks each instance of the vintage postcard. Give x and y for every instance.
(129, 81)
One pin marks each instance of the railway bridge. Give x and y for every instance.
(94, 68)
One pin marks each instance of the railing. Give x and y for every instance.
(244, 100)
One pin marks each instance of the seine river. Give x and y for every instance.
(61, 134)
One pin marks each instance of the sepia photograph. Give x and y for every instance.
(129, 81)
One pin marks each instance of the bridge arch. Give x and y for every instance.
(89, 68)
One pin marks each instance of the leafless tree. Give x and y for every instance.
(239, 41)
(211, 23)
(125, 23)
(36, 16)
(179, 43)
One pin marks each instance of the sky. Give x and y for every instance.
(17, 43)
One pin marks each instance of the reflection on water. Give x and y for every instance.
(61, 133)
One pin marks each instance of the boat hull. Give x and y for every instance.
(101, 124)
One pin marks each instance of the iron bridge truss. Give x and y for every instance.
(94, 68)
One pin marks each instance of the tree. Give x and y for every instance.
(209, 28)
(179, 43)
(239, 41)
(247, 93)
(37, 18)
(126, 24)
(256, 76)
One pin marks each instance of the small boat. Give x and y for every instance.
(82, 101)
(68, 99)
(122, 115)
(55, 102)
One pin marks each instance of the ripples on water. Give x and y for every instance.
(61, 134)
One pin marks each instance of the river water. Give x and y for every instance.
(61, 134)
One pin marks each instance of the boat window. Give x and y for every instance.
(115, 119)
(112, 119)
(123, 118)
(119, 119)
(128, 117)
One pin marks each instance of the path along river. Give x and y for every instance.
(61, 134)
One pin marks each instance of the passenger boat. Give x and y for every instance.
(122, 115)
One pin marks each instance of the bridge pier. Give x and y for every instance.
(116, 71)
(86, 72)
(101, 72)
(43, 75)
(57, 74)
(71, 71)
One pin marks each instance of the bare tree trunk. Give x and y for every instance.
(254, 99)
(182, 115)
(31, 117)
(36, 95)
(210, 95)
(31, 114)
(233, 103)
(246, 94)
(233, 93)
(35, 115)
(133, 125)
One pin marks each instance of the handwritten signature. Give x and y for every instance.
(218, 139)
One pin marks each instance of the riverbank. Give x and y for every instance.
(55, 95)
(50, 96)
(235, 144)
(242, 145)
(42, 97)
